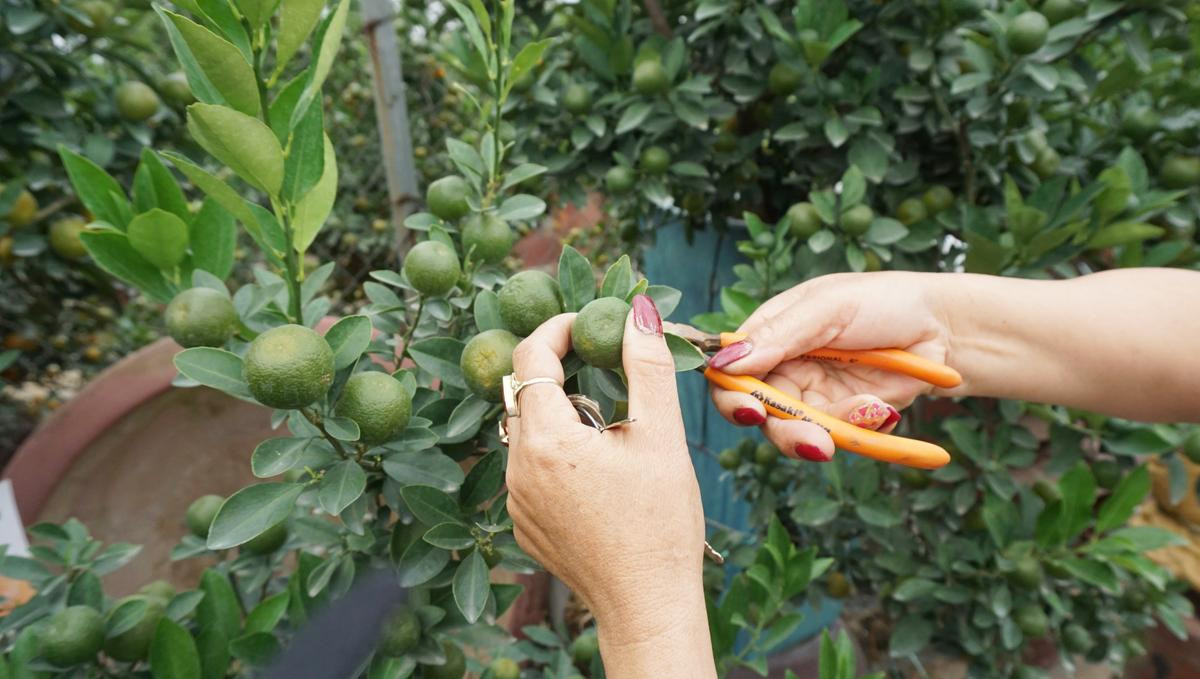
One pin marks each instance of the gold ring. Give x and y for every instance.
(512, 389)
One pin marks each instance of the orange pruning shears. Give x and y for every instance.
(872, 444)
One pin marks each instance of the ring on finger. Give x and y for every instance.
(512, 389)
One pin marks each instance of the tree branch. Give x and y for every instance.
(657, 18)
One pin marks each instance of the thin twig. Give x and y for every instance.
(657, 18)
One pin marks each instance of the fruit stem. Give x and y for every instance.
(315, 420)
(412, 327)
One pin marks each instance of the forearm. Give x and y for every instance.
(1121, 342)
(664, 636)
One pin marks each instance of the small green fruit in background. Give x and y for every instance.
(159, 589)
(857, 220)
(72, 636)
(487, 237)
(401, 633)
(1047, 491)
(454, 667)
(136, 101)
(655, 160)
(1032, 621)
(289, 366)
(803, 220)
(176, 90)
(1057, 11)
(618, 180)
(1139, 123)
(447, 198)
(134, 643)
(584, 648)
(1180, 172)
(505, 668)
(527, 300)
(99, 15)
(268, 541)
(64, 237)
(599, 331)
(766, 454)
(729, 459)
(432, 268)
(783, 79)
(201, 317)
(201, 512)
(486, 359)
(937, 199)
(911, 211)
(23, 209)
(1027, 32)
(649, 77)
(1107, 473)
(1047, 162)
(378, 403)
(577, 100)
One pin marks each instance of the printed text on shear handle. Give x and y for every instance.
(783, 407)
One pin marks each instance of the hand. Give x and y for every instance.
(615, 515)
(841, 311)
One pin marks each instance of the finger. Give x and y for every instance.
(543, 406)
(741, 409)
(783, 328)
(649, 368)
(800, 439)
(867, 411)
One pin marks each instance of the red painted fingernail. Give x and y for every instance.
(892, 418)
(646, 317)
(870, 415)
(730, 354)
(748, 417)
(811, 453)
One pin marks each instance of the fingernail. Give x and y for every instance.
(730, 354)
(811, 453)
(870, 415)
(748, 417)
(646, 317)
(892, 418)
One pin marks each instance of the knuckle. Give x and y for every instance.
(524, 353)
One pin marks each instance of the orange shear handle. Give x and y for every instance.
(872, 444)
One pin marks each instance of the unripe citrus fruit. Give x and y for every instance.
(803, 220)
(1026, 572)
(619, 179)
(377, 403)
(1076, 638)
(1027, 32)
(1032, 621)
(73, 635)
(201, 317)
(23, 209)
(1191, 446)
(268, 541)
(401, 633)
(447, 197)
(937, 198)
(911, 211)
(783, 79)
(693, 203)
(454, 667)
(577, 100)
(729, 459)
(1047, 491)
(778, 478)
(505, 668)
(64, 237)
(857, 220)
(288, 367)
(486, 359)
(1139, 123)
(837, 585)
(159, 589)
(175, 88)
(136, 101)
(655, 159)
(766, 454)
(490, 236)
(599, 330)
(1107, 473)
(6, 246)
(649, 77)
(914, 478)
(725, 143)
(1057, 11)
(201, 512)
(1046, 163)
(98, 13)
(584, 648)
(134, 643)
(432, 268)
(1180, 172)
(527, 300)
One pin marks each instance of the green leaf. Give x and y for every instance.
(885, 231)
(1093, 572)
(214, 368)
(483, 481)
(521, 173)
(297, 18)
(348, 338)
(440, 356)
(160, 237)
(314, 208)
(914, 589)
(257, 649)
(1123, 233)
(342, 428)
(634, 116)
(1115, 196)
(909, 636)
(575, 278)
(154, 186)
(275, 456)
(521, 207)
(125, 616)
(250, 511)
(219, 191)
(450, 536)
(213, 237)
(113, 253)
(342, 484)
(97, 190)
(471, 586)
(665, 298)
(618, 280)
(328, 41)
(306, 154)
(854, 187)
(487, 311)
(526, 60)
(267, 614)
(420, 563)
(430, 505)
(876, 512)
(685, 354)
(835, 131)
(257, 12)
(219, 609)
(217, 71)
(1128, 494)
(1078, 489)
(173, 653)
(243, 143)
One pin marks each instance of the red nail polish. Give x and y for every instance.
(892, 418)
(811, 453)
(748, 417)
(730, 354)
(646, 317)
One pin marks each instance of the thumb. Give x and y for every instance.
(779, 330)
(649, 368)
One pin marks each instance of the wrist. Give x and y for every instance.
(982, 343)
(660, 631)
